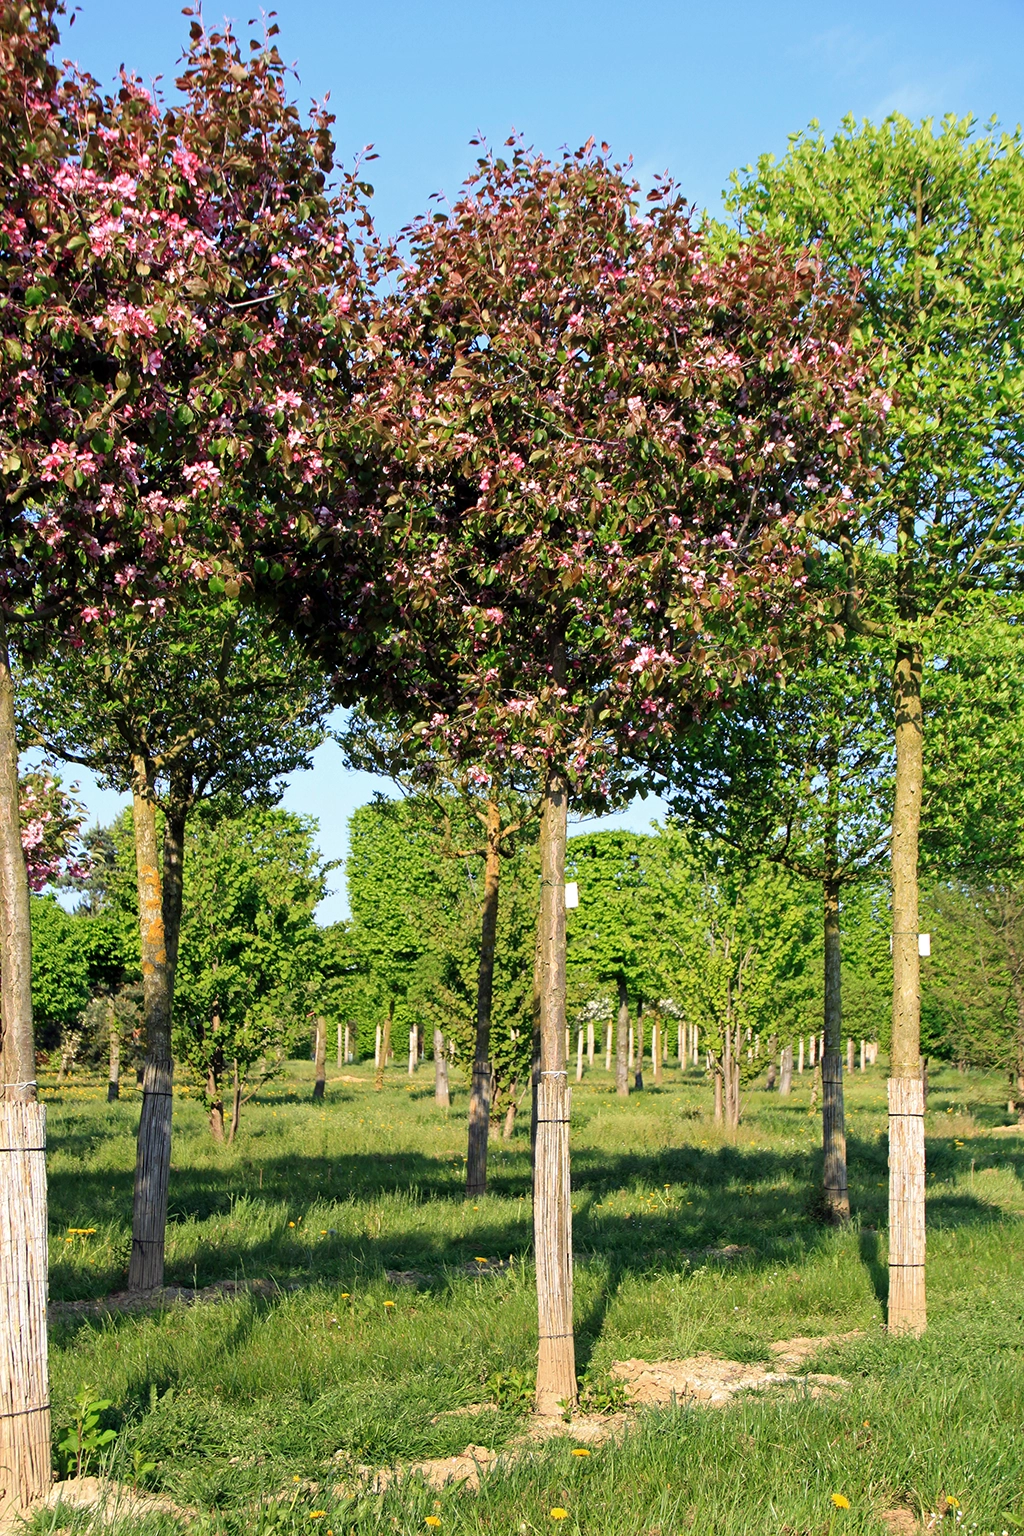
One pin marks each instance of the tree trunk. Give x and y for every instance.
(114, 1055)
(622, 1042)
(1018, 997)
(24, 1394)
(17, 1042)
(24, 1377)
(441, 1094)
(638, 1081)
(552, 1208)
(320, 1058)
(608, 1048)
(656, 1050)
(509, 1123)
(385, 1047)
(833, 1121)
(730, 1081)
(590, 1045)
(907, 1303)
(159, 926)
(786, 1072)
(216, 1099)
(480, 1091)
(719, 1091)
(236, 1101)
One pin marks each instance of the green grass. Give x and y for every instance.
(244, 1402)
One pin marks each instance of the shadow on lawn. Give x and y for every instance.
(761, 1199)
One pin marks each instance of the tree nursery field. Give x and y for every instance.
(378, 1320)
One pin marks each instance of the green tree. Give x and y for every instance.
(61, 972)
(799, 772)
(491, 811)
(609, 935)
(188, 705)
(926, 229)
(392, 872)
(741, 948)
(249, 962)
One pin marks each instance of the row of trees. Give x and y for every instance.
(548, 485)
(253, 967)
(674, 924)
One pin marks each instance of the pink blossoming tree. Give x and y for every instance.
(610, 448)
(178, 295)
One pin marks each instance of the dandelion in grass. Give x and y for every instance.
(389, 1303)
(559, 1514)
(317, 1514)
(840, 1501)
(431, 1520)
(580, 1450)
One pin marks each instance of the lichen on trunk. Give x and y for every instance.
(160, 898)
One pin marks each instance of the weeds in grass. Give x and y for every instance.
(231, 1401)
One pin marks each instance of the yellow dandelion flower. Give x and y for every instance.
(346, 1296)
(389, 1303)
(840, 1501)
(317, 1514)
(559, 1514)
(291, 1223)
(952, 1503)
(580, 1450)
(479, 1260)
(431, 1520)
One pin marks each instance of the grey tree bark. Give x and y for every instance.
(833, 1122)
(441, 1092)
(480, 1090)
(622, 1041)
(320, 1059)
(786, 1072)
(113, 1055)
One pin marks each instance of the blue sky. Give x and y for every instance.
(697, 89)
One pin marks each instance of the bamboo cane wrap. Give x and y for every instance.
(552, 1237)
(24, 1381)
(907, 1311)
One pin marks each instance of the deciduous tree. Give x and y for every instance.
(606, 440)
(927, 227)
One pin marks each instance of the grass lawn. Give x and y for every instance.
(239, 1402)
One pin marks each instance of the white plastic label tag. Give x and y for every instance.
(572, 895)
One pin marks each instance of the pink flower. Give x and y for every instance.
(187, 163)
(204, 476)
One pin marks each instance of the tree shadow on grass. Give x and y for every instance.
(870, 1257)
(761, 1200)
